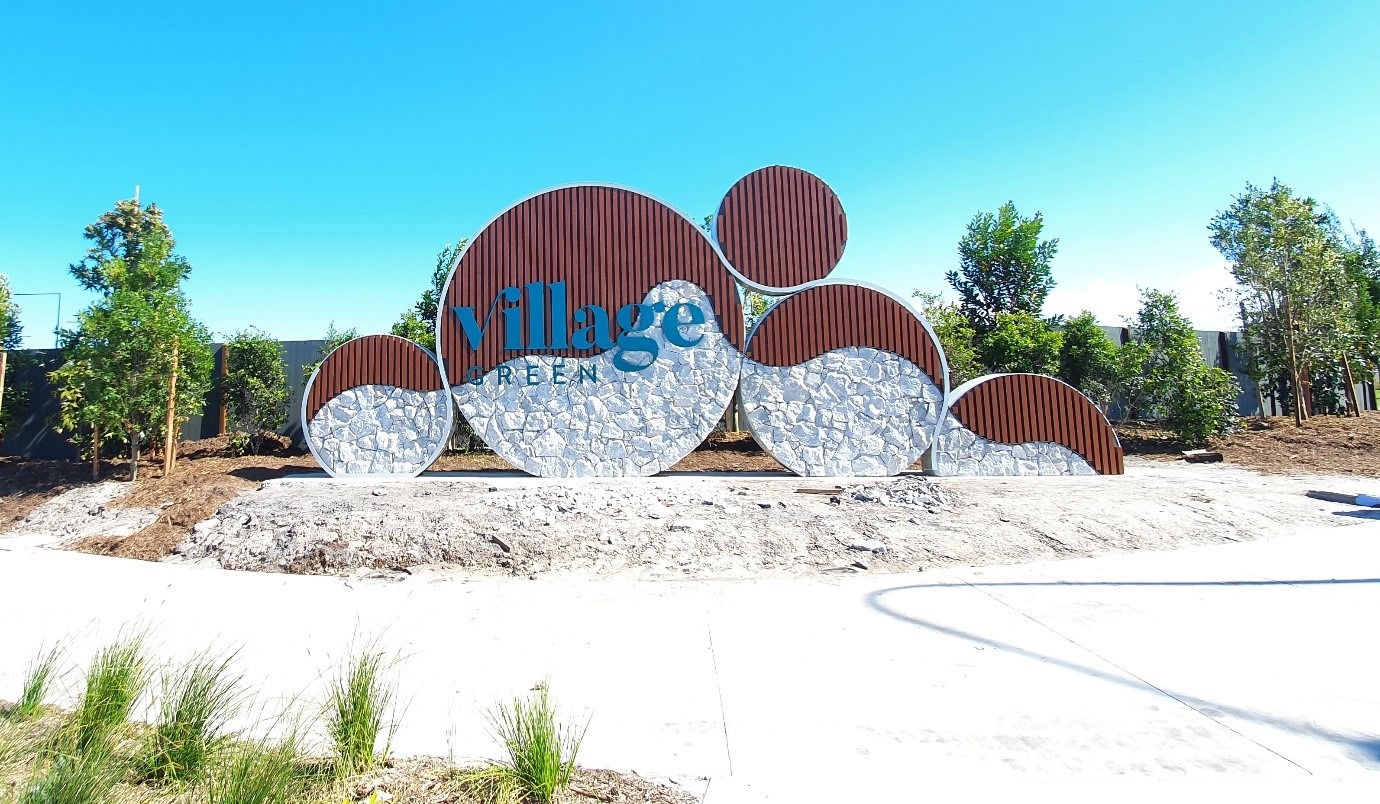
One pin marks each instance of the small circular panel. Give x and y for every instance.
(781, 227)
(376, 406)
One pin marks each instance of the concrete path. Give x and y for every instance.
(1254, 660)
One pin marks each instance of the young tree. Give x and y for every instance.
(956, 336)
(334, 338)
(1296, 299)
(10, 339)
(137, 342)
(419, 323)
(1163, 375)
(1087, 358)
(256, 389)
(1020, 342)
(1003, 267)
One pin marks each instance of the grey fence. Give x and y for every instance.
(33, 436)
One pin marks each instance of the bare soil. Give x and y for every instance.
(1334, 445)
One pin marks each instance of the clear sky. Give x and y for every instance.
(311, 158)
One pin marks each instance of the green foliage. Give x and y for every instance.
(256, 388)
(956, 336)
(118, 362)
(38, 676)
(11, 333)
(358, 712)
(1021, 342)
(114, 681)
(1088, 358)
(82, 777)
(541, 750)
(1003, 267)
(258, 773)
(1163, 375)
(199, 699)
(333, 339)
(419, 323)
(1296, 298)
(755, 307)
(1361, 261)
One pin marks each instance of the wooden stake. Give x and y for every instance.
(169, 438)
(223, 415)
(1353, 404)
(96, 452)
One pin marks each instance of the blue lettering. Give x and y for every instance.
(588, 369)
(532, 377)
(475, 375)
(635, 318)
(558, 373)
(671, 324)
(505, 375)
(597, 333)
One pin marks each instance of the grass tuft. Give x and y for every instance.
(114, 682)
(37, 678)
(541, 750)
(199, 700)
(358, 712)
(84, 777)
(258, 773)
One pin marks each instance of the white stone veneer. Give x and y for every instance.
(959, 451)
(380, 430)
(857, 411)
(633, 423)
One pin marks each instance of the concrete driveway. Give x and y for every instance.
(1252, 660)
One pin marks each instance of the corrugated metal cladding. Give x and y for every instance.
(782, 227)
(828, 317)
(373, 360)
(610, 246)
(1015, 408)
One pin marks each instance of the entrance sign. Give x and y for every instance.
(593, 330)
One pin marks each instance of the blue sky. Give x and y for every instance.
(312, 158)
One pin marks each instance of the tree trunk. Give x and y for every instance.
(169, 437)
(1353, 404)
(133, 456)
(95, 452)
(1293, 364)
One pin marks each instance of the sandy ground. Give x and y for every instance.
(707, 526)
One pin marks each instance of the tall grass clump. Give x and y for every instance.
(199, 699)
(541, 750)
(84, 777)
(359, 710)
(38, 677)
(258, 773)
(114, 681)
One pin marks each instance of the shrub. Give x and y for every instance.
(541, 751)
(1087, 358)
(1204, 406)
(1021, 342)
(256, 392)
(199, 700)
(359, 700)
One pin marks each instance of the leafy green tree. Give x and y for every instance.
(1087, 358)
(755, 307)
(956, 336)
(1294, 293)
(1021, 342)
(419, 323)
(256, 389)
(333, 339)
(11, 332)
(119, 361)
(1003, 267)
(1164, 377)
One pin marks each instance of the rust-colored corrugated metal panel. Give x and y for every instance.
(1016, 408)
(610, 247)
(372, 360)
(823, 318)
(782, 227)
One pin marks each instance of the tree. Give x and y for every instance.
(1164, 377)
(256, 389)
(755, 307)
(419, 323)
(1296, 299)
(11, 336)
(1020, 342)
(956, 336)
(136, 343)
(1003, 267)
(1087, 358)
